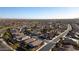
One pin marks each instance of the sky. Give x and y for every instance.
(39, 12)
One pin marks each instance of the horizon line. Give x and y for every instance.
(39, 18)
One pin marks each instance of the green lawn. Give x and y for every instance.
(6, 27)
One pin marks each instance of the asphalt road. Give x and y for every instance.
(56, 39)
(5, 46)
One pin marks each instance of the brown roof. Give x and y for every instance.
(36, 43)
(30, 40)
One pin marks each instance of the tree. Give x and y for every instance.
(44, 30)
(7, 36)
